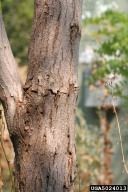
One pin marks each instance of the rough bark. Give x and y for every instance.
(42, 124)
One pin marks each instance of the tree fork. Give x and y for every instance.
(41, 116)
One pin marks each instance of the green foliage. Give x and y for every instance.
(0, 8)
(18, 21)
(110, 34)
(88, 152)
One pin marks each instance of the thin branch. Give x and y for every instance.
(121, 145)
(10, 82)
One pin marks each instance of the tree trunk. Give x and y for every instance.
(40, 115)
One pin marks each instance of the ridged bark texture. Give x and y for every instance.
(42, 128)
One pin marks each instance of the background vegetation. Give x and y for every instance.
(89, 153)
(110, 36)
(18, 22)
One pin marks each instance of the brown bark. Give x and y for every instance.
(42, 127)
